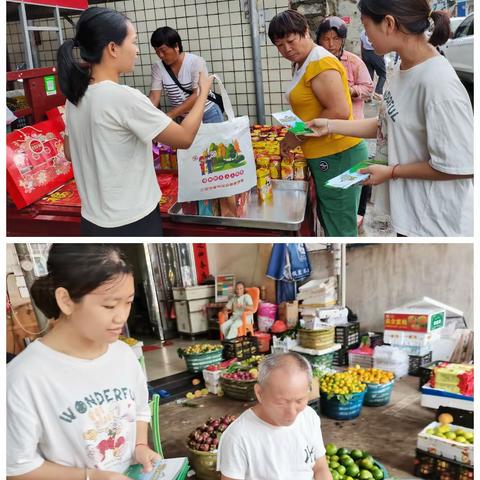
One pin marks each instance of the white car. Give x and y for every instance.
(459, 49)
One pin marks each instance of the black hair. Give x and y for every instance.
(80, 269)
(166, 36)
(95, 29)
(412, 15)
(285, 23)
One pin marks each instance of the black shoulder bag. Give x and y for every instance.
(212, 96)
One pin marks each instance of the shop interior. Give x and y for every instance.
(357, 292)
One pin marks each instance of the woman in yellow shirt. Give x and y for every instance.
(319, 88)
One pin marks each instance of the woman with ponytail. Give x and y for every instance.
(425, 126)
(110, 127)
(77, 398)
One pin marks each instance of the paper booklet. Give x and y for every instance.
(351, 177)
(295, 124)
(166, 469)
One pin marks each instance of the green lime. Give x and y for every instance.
(335, 475)
(331, 449)
(356, 454)
(353, 470)
(365, 475)
(343, 451)
(377, 473)
(335, 458)
(347, 478)
(346, 460)
(334, 465)
(366, 464)
(341, 470)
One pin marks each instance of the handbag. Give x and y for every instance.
(212, 96)
(220, 162)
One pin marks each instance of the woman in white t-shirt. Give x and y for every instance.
(425, 126)
(176, 74)
(110, 128)
(77, 398)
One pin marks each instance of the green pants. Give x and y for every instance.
(337, 208)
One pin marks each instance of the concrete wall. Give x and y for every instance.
(384, 276)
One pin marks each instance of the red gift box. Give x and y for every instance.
(67, 195)
(36, 163)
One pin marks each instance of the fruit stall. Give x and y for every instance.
(43, 199)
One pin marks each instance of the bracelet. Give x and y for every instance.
(328, 127)
(393, 171)
(141, 445)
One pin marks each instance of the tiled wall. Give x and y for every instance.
(216, 30)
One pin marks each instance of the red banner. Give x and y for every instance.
(201, 261)
(75, 4)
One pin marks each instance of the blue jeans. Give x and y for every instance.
(213, 115)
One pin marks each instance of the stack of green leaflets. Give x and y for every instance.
(300, 129)
(166, 469)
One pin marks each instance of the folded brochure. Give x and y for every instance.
(289, 119)
(165, 469)
(351, 177)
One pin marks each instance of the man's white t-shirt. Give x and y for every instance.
(251, 449)
(74, 412)
(426, 115)
(187, 76)
(110, 135)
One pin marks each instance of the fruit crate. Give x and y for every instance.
(332, 408)
(376, 338)
(348, 335)
(425, 371)
(362, 359)
(340, 358)
(198, 361)
(240, 347)
(434, 467)
(238, 390)
(378, 394)
(320, 339)
(416, 361)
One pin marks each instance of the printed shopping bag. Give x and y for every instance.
(36, 164)
(220, 162)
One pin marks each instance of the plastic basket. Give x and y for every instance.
(317, 339)
(340, 358)
(428, 465)
(325, 360)
(238, 390)
(376, 338)
(425, 371)
(240, 347)
(378, 394)
(416, 361)
(332, 408)
(365, 361)
(204, 464)
(198, 361)
(348, 335)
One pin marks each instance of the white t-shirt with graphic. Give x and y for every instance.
(187, 76)
(74, 412)
(251, 449)
(426, 115)
(110, 134)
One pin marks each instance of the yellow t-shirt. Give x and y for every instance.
(305, 104)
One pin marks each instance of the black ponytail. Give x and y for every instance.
(95, 29)
(72, 77)
(441, 30)
(80, 269)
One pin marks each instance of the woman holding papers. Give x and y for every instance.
(425, 126)
(77, 398)
(319, 88)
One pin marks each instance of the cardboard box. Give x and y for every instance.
(288, 312)
(410, 339)
(414, 319)
(460, 452)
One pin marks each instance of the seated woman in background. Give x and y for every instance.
(241, 302)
